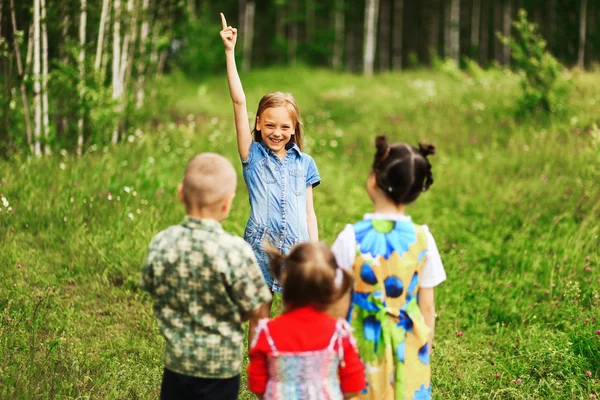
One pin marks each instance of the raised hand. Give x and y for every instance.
(228, 34)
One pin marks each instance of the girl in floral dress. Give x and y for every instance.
(305, 354)
(396, 265)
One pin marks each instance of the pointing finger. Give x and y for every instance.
(223, 21)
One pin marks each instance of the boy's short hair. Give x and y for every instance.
(208, 179)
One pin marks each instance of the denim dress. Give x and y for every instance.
(277, 192)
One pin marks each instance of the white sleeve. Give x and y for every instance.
(433, 272)
(344, 248)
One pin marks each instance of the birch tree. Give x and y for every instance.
(248, 35)
(141, 65)
(397, 34)
(116, 71)
(106, 45)
(338, 46)
(454, 30)
(21, 75)
(582, 31)
(81, 84)
(129, 37)
(371, 16)
(29, 54)
(100, 41)
(37, 88)
(45, 119)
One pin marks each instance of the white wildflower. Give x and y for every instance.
(130, 215)
(127, 189)
(62, 166)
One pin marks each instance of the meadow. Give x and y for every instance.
(515, 210)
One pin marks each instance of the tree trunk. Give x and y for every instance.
(99, 47)
(455, 30)
(507, 24)
(293, 33)
(141, 66)
(249, 35)
(29, 55)
(485, 33)
(81, 65)
(21, 76)
(105, 46)
(338, 47)
(582, 32)
(384, 35)
(126, 40)
(116, 71)
(397, 25)
(133, 30)
(63, 125)
(430, 16)
(4, 62)
(45, 119)
(498, 46)
(37, 87)
(371, 11)
(475, 23)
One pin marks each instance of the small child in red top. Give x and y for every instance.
(305, 354)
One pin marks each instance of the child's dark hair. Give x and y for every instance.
(402, 171)
(308, 275)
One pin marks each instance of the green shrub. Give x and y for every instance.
(545, 86)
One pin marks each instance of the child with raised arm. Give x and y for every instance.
(279, 176)
(205, 283)
(305, 354)
(396, 265)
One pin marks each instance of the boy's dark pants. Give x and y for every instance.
(183, 387)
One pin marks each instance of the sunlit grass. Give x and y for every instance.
(514, 208)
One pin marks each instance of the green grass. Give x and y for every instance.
(514, 208)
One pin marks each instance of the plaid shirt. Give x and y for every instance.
(202, 280)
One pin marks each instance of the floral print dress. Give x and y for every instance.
(387, 322)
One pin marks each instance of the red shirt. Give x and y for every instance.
(303, 329)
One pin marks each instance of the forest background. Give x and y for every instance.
(103, 102)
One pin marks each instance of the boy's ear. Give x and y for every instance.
(180, 193)
(226, 206)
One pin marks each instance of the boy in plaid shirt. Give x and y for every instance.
(205, 282)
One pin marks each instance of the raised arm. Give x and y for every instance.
(244, 136)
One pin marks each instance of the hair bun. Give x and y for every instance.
(426, 149)
(381, 143)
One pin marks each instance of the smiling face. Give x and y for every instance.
(276, 127)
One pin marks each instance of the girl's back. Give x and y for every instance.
(305, 353)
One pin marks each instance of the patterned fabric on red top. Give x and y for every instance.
(297, 333)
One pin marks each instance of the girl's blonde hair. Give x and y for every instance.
(309, 275)
(279, 99)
